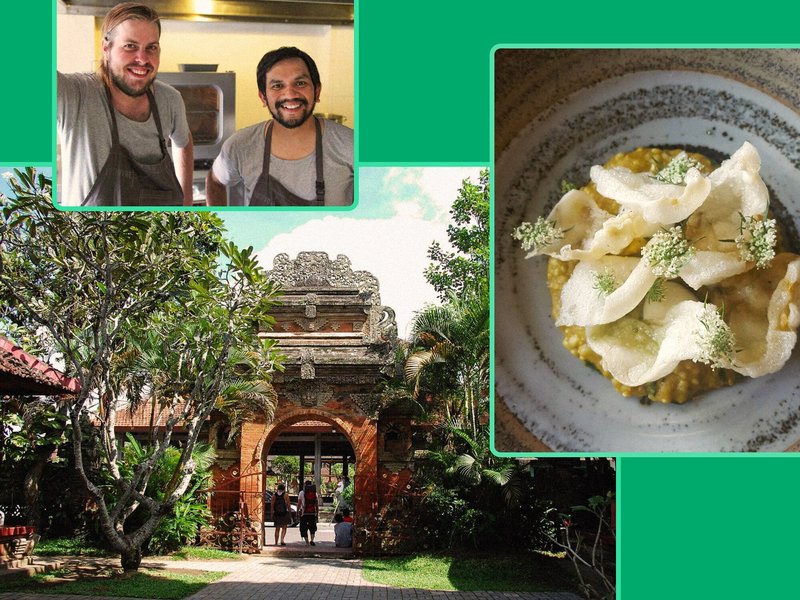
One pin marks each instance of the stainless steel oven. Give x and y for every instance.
(210, 100)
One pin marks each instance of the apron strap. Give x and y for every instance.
(320, 183)
(114, 132)
(153, 108)
(320, 189)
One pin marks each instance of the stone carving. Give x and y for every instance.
(311, 324)
(311, 302)
(387, 325)
(307, 369)
(308, 393)
(317, 269)
(369, 403)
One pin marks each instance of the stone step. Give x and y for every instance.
(26, 569)
(16, 563)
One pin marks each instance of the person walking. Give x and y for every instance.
(280, 513)
(308, 510)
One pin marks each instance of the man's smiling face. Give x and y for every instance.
(132, 56)
(290, 94)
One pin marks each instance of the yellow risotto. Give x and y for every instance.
(690, 377)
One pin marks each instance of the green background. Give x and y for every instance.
(424, 66)
(689, 526)
(27, 97)
(709, 527)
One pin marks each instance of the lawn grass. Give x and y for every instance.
(204, 553)
(145, 583)
(79, 547)
(72, 546)
(490, 573)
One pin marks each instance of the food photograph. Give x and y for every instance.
(646, 250)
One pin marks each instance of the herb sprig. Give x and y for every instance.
(537, 235)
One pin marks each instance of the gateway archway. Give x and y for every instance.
(322, 454)
(339, 343)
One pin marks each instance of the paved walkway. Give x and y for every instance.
(285, 575)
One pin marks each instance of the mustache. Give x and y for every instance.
(144, 66)
(302, 101)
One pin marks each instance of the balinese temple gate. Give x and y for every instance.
(340, 343)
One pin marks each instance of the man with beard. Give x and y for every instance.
(112, 125)
(294, 159)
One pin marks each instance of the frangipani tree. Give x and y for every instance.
(108, 287)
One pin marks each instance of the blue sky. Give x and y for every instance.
(400, 212)
(4, 188)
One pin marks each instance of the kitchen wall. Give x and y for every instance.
(235, 46)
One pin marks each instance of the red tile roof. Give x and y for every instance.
(140, 419)
(24, 374)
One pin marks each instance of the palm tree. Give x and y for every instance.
(470, 459)
(451, 356)
(247, 394)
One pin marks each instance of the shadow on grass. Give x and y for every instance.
(146, 583)
(489, 573)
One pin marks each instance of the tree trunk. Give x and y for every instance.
(31, 487)
(131, 558)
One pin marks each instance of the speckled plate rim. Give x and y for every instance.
(526, 371)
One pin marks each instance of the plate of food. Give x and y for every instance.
(646, 216)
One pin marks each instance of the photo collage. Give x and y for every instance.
(349, 299)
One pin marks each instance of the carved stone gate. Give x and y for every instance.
(340, 344)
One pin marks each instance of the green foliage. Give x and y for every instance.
(450, 356)
(286, 466)
(475, 499)
(180, 527)
(467, 268)
(142, 306)
(347, 495)
(190, 512)
(441, 507)
(27, 425)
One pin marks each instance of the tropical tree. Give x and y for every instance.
(475, 464)
(466, 269)
(191, 510)
(451, 356)
(33, 428)
(286, 466)
(99, 283)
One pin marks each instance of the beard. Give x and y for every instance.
(295, 121)
(118, 79)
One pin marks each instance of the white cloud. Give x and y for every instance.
(394, 250)
(436, 188)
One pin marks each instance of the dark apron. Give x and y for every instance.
(271, 192)
(123, 181)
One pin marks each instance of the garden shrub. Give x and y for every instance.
(176, 530)
(190, 513)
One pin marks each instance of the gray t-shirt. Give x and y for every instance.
(242, 159)
(84, 131)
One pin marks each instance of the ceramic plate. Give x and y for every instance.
(558, 112)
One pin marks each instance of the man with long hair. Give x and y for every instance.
(113, 124)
